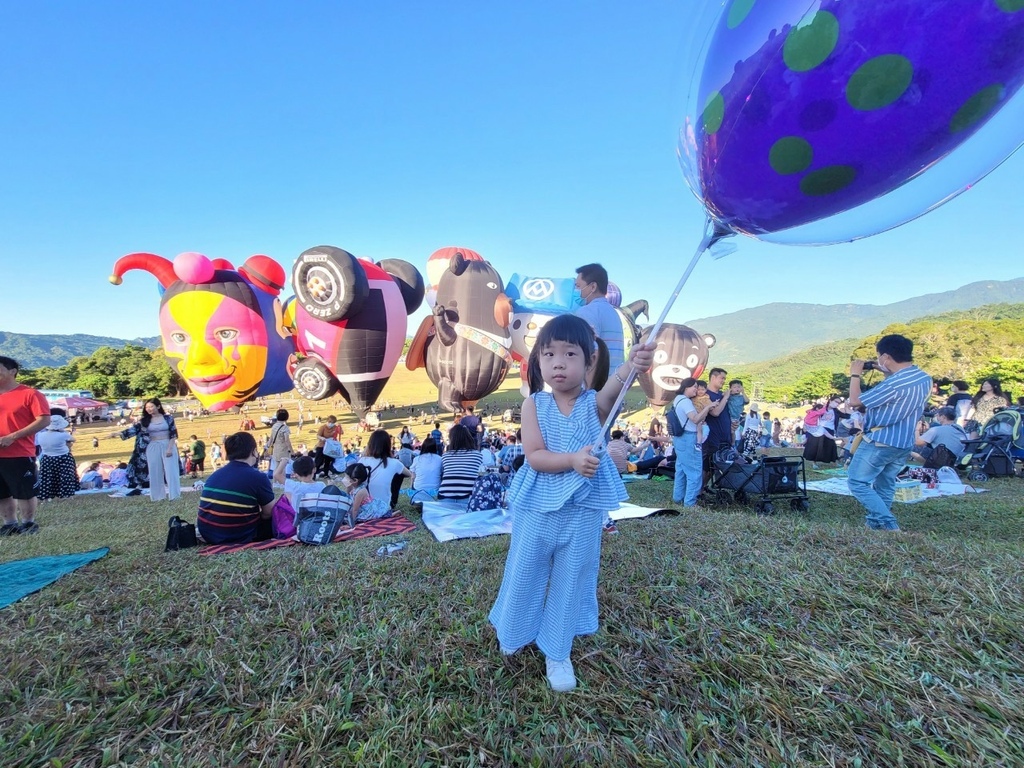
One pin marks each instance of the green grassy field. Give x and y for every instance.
(726, 639)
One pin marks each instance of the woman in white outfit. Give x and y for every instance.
(156, 452)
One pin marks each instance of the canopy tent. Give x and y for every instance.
(85, 406)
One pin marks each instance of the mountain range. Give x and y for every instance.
(775, 330)
(747, 336)
(54, 350)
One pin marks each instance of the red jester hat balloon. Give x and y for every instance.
(222, 329)
(350, 320)
(465, 345)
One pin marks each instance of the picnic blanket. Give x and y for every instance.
(449, 519)
(20, 578)
(840, 487)
(384, 526)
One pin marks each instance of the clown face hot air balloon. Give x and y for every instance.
(350, 319)
(222, 332)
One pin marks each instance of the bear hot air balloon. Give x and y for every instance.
(350, 318)
(465, 344)
(221, 329)
(680, 352)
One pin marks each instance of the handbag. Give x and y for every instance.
(333, 448)
(181, 534)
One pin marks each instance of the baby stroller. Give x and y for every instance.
(774, 477)
(999, 446)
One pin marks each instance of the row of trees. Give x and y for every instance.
(112, 374)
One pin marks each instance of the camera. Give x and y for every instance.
(870, 365)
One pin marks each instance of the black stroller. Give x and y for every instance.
(774, 477)
(995, 451)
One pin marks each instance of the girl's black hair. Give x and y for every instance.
(379, 446)
(997, 390)
(461, 439)
(359, 473)
(282, 414)
(571, 330)
(429, 446)
(146, 417)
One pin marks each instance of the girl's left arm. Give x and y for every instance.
(640, 357)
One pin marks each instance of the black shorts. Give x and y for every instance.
(18, 478)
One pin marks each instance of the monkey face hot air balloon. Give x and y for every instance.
(465, 344)
(679, 352)
(350, 320)
(221, 328)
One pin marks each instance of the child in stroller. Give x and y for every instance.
(995, 452)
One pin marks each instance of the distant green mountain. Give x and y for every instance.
(775, 330)
(54, 350)
(968, 344)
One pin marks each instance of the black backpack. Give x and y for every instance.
(672, 422)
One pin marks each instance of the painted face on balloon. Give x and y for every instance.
(217, 344)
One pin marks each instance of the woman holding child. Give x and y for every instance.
(687, 449)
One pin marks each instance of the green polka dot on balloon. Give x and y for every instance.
(738, 11)
(878, 82)
(790, 155)
(714, 113)
(827, 180)
(976, 108)
(1010, 6)
(808, 45)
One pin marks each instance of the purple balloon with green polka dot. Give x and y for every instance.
(812, 108)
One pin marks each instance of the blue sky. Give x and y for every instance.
(539, 134)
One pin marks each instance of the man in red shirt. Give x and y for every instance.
(23, 412)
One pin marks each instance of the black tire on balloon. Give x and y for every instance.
(329, 283)
(313, 380)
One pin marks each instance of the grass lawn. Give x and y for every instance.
(726, 639)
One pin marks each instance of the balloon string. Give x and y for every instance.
(713, 232)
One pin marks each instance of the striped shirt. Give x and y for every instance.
(459, 471)
(894, 407)
(231, 501)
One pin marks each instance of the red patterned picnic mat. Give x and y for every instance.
(366, 530)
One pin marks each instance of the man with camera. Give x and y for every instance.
(893, 408)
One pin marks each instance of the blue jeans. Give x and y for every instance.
(688, 469)
(872, 479)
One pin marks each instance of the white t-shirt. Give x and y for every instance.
(54, 442)
(380, 476)
(297, 489)
(427, 468)
(684, 407)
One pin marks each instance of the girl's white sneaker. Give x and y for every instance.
(561, 676)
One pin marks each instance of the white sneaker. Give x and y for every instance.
(560, 675)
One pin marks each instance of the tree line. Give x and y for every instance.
(112, 374)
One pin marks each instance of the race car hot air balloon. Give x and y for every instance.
(350, 318)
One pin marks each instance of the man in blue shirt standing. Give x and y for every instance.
(893, 409)
(592, 283)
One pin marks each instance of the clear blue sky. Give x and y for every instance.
(539, 134)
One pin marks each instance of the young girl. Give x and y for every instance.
(560, 497)
(356, 482)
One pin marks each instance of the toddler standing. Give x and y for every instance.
(560, 497)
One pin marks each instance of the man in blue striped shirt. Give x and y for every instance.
(893, 409)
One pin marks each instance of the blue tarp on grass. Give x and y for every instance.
(21, 578)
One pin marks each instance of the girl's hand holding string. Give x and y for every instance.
(584, 463)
